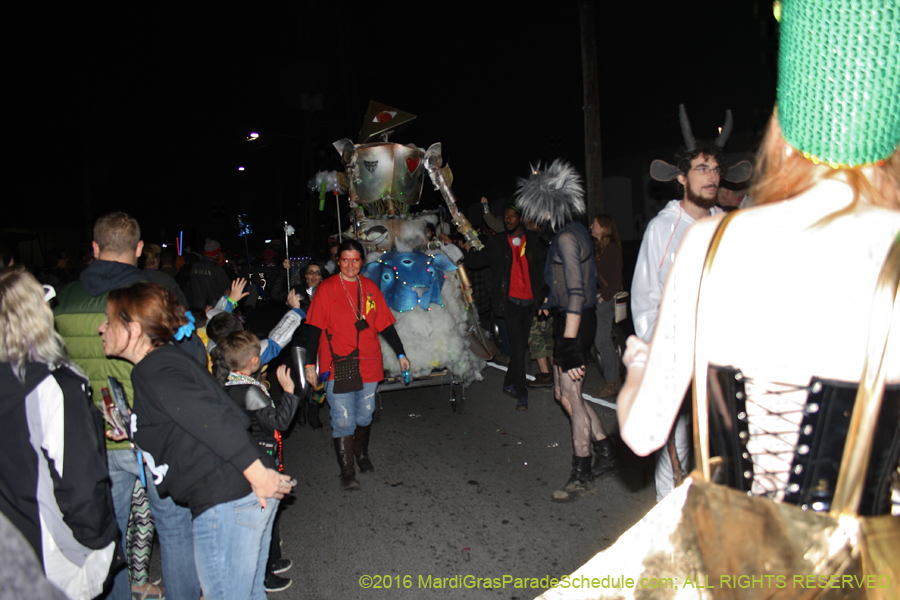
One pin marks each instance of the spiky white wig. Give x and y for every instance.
(553, 196)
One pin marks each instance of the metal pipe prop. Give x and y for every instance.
(433, 163)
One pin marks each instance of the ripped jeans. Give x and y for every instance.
(350, 409)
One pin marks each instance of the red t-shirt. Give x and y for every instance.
(333, 310)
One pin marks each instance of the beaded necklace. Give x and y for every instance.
(355, 309)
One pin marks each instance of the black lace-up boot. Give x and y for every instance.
(606, 459)
(580, 482)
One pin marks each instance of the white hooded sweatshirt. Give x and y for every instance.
(661, 240)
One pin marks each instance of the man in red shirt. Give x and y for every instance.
(517, 266)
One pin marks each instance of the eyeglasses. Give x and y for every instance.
(705, 170)
(49, 292)
(319, 273)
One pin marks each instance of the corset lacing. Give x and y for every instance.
(774, 412)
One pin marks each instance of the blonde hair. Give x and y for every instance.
(783, 173)
(26, 323)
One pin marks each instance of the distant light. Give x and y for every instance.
(268, 241)
(163, 245)
(720, 131)
(253, 136)
(240, 168)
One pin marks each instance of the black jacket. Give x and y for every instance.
(265, 419)
(186, 421)
(497, 255)
(46, 408)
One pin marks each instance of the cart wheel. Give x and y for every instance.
(457, 397)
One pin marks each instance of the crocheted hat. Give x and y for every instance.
(839, 79)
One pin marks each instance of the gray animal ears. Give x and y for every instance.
(740, 172)
(660, 170)
(737, 173)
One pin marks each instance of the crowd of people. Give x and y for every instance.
(197, 467)
(199, 442)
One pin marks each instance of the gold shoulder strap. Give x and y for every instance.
(858, 447)
(701, 362)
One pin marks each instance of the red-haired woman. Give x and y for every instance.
(818, 221)
(195, 441)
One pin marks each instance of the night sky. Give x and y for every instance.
(145, 108)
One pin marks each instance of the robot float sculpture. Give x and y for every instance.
(384, 181)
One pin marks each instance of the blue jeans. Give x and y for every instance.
(231, 548)
(173, 525)
(351, 409)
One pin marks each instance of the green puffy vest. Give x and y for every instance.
(78, 317)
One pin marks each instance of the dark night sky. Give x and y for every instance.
(144, 108)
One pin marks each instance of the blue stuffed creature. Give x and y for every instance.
(409, 278)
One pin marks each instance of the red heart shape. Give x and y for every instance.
(412, 164)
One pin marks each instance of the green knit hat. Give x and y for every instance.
(839, 79)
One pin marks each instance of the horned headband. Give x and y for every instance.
(738, 173)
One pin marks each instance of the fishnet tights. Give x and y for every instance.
(586, 425)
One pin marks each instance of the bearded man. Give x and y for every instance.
(698, 181)
(698, 171)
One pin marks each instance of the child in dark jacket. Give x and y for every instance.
(223, 323)
(241, 352)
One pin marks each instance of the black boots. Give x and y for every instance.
(343, 447)
(580, 482)
(353, 446)
(361, 448)
(606, 461)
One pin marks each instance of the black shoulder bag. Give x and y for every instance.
(347, 377)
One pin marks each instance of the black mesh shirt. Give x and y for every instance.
(570, 271)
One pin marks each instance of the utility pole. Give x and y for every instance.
(592, 156)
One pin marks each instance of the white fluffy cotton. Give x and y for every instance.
(436, 338)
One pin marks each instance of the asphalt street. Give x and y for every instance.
(455, 496)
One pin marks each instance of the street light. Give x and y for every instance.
(266, 175)
(255, 135)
